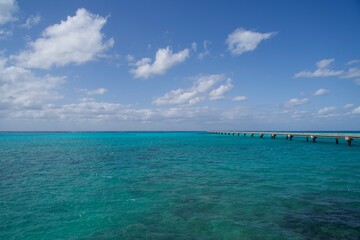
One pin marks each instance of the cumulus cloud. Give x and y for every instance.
(179, 96)
(355, 61)
(31, 21)
(299, 114)
(352, 73)
(326, 110)
(325, 63)
(356, 110)
(294, 102)
(193, 95)
(21, 89)
(321, 92)
(239, 98)
(76, 40)
(322, 70)
(242, 40)
(99, 111)
(8, 9)
(164, 60)
(348, 105)
(219, 92)
(104, 112)
(88, 110)
(97, 91)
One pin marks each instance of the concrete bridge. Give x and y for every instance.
(290, 135)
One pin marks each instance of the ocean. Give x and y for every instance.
(176, 185)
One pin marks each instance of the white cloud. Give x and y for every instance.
(240, 98)
(325, 63)
(219, 92)
(87, 109)
(321, 71)
(182, 113)
(192, 95)
(179, 96)
(242, 40)
(77, 40)
(90, 110)
(327, 110)
(99, 111)
(21, 89)
(164, 60)
(194, 46)
(294, 102)
(5, 34)
(348, 105)
(299, 114)
(205, 83)
(356, 110)
(130, 59)
(321, 92)
(31, 21)
(206, 50)
(355, 61)
(98, 91)
(8, 9)
(352, 73)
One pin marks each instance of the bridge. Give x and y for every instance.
(290, 135)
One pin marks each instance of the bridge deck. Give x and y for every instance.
(289, 135)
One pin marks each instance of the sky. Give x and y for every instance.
(132, 65)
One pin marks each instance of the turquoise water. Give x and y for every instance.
(189, 185)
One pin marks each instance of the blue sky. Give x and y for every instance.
(179, 65)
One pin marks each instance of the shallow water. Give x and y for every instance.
(174, 185)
